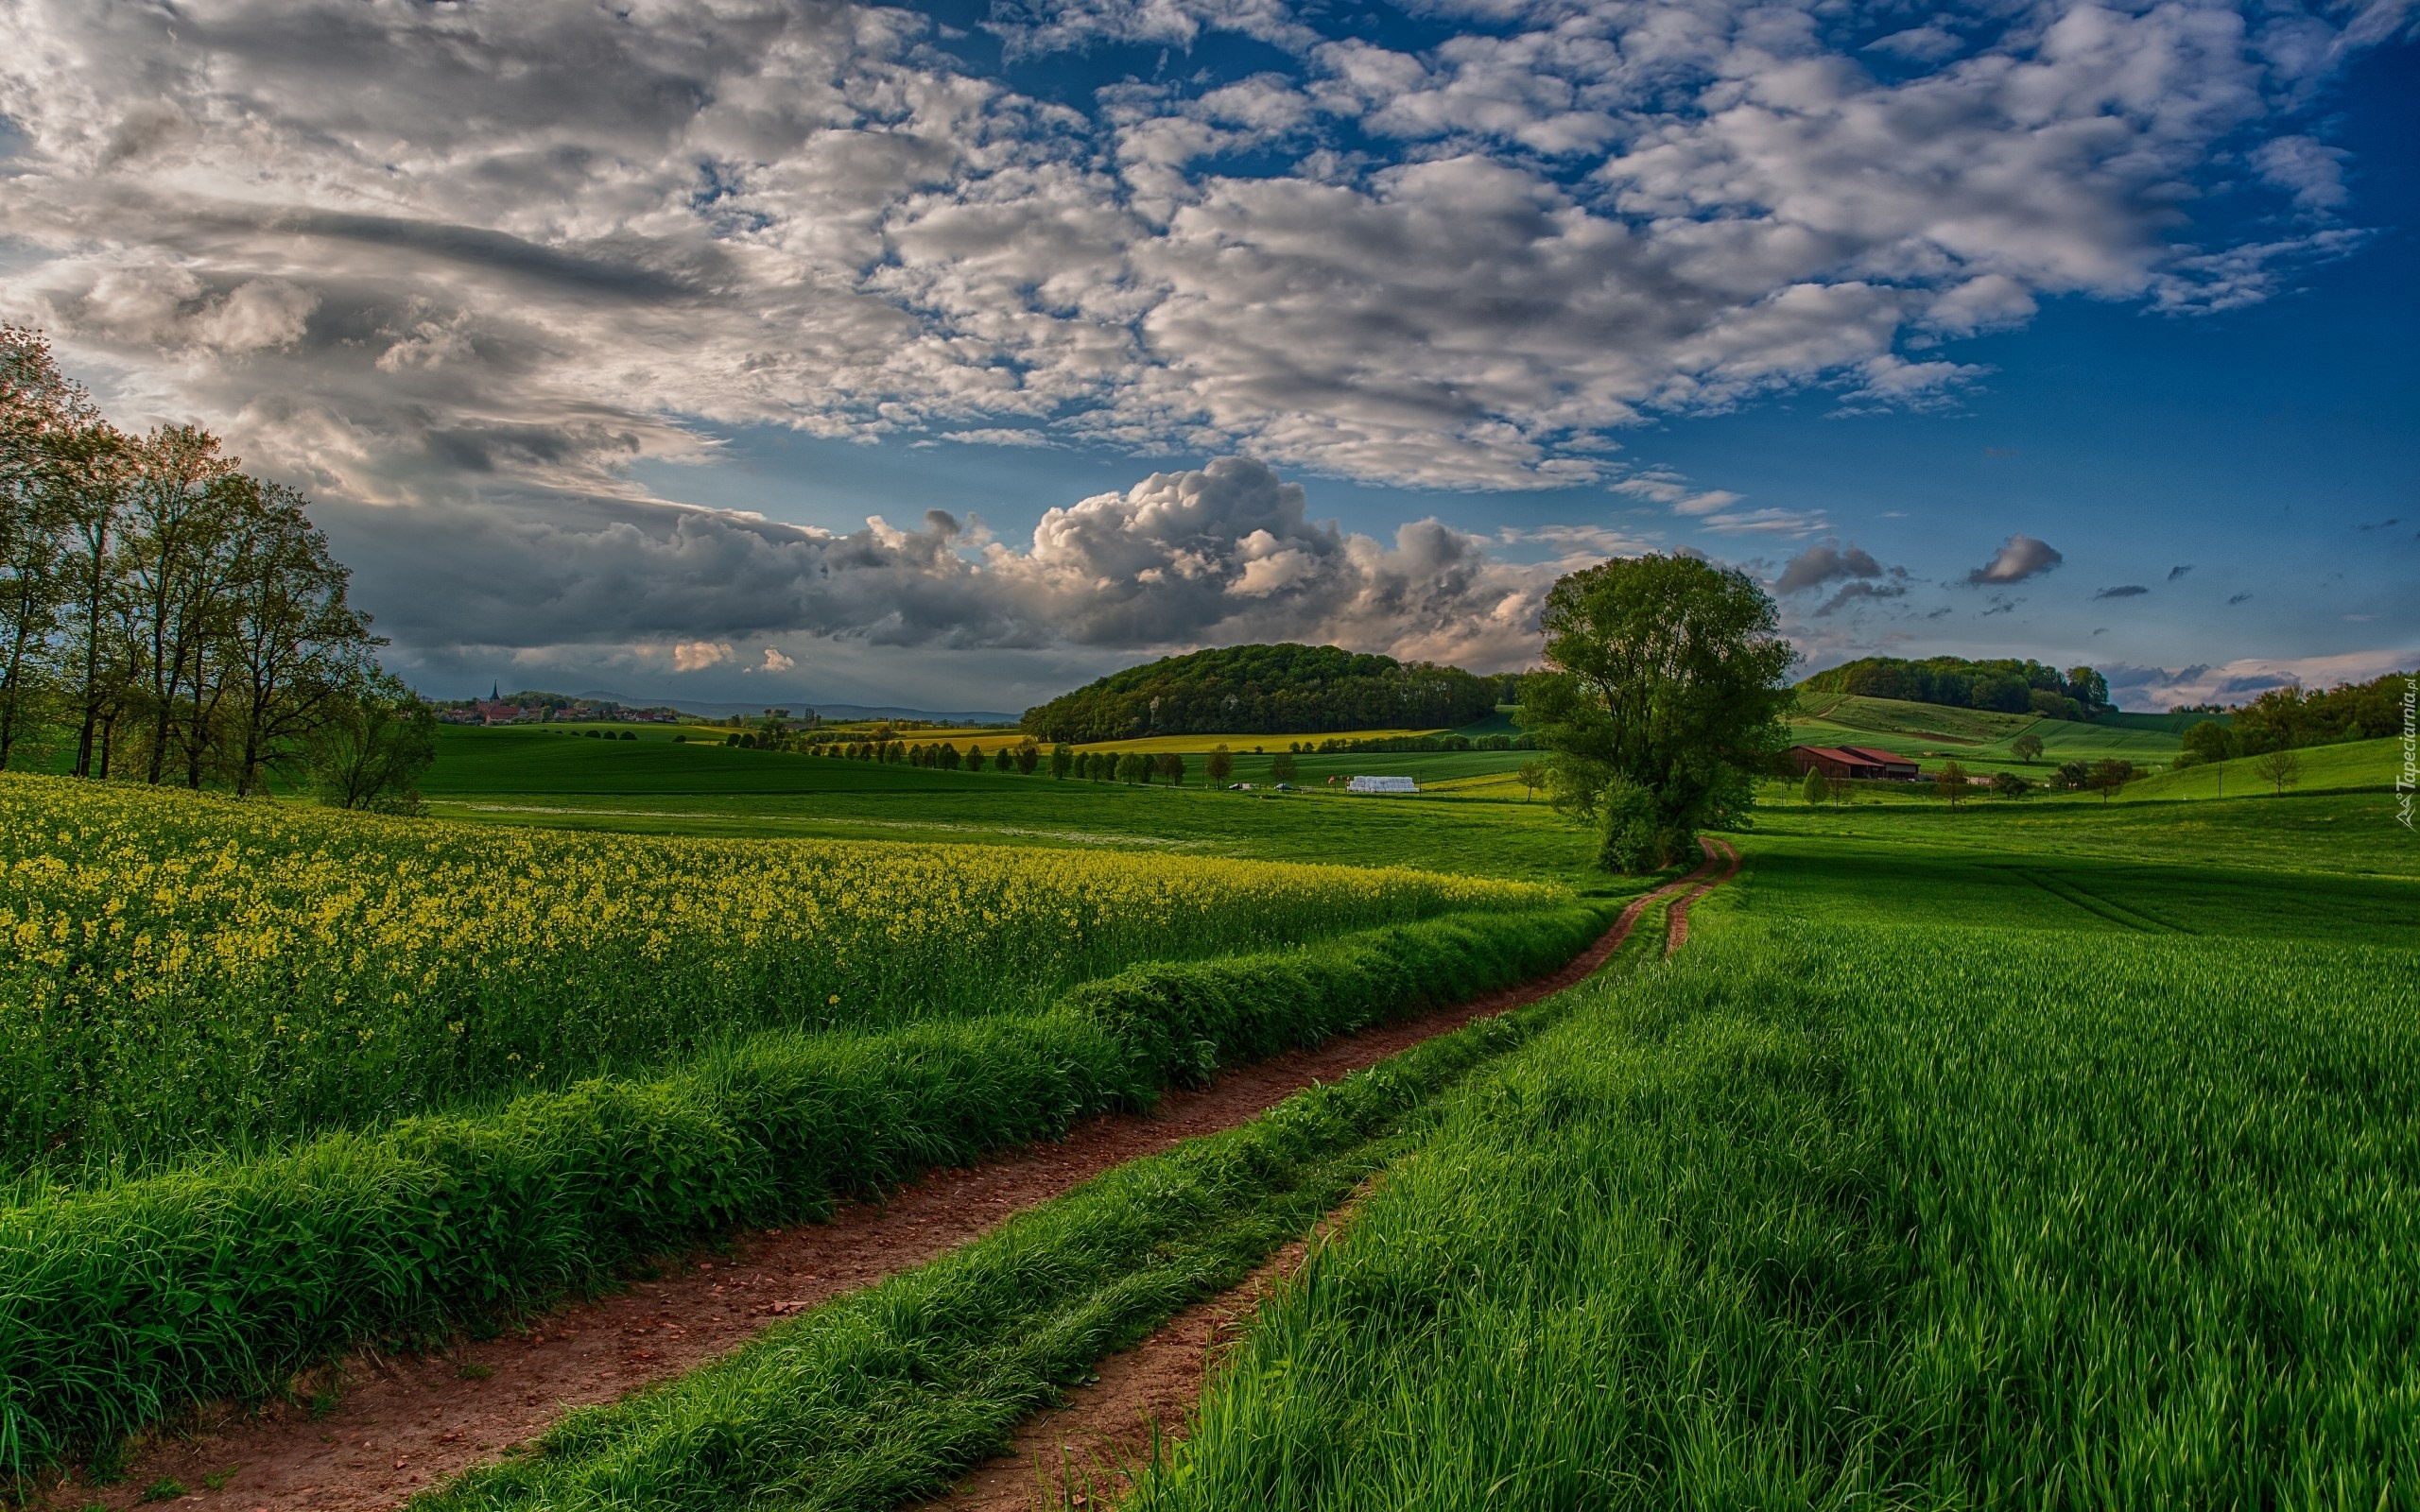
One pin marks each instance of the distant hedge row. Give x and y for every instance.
(121, 1303)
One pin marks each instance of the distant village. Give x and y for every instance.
(526, 707)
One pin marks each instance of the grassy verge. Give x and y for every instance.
(1908, 1216)
(120, 1303)
(891, 1393)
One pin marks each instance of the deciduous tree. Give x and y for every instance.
(2026, 748)
(1663, 694)
(2281, 768)
(1950, 784)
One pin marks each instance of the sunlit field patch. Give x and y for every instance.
(187, 972)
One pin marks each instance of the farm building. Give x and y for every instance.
(1846, 762)
(1382, 784)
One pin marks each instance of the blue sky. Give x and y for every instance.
(2054, 330)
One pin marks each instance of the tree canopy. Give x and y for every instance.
(1663, 692)
(1276, 690)
(2282, 718)
(166, 617)
(2004, 685)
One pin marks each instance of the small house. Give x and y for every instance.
(1382, 784)
(1843, 763)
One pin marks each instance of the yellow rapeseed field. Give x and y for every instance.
(186, 971)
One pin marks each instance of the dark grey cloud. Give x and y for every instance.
(1826, 563)
(1861, 592)
(2122, 590)
(1222, 552)
(2018, 558)
(2239, 598)
(2175, 572)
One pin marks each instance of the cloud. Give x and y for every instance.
(1827, 562)
(2018, 558)
(1861, 592)
(2124, 590)
(2237, 598)
(1222, 552)
(775, 662)
(2002, 606)
(2175, 572)
(2312, 172)
(410, 254)
(2237, 682)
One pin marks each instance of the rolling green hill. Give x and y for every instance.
(1277, 690)
(2355, 766)
(1979, 739)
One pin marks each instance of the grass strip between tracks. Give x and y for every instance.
(120, 1304)
(890, 1393)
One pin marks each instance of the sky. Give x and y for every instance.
(735, 350)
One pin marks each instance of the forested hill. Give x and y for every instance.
(2006, 685)
(1271, 689)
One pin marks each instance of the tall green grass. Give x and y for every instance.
(1906, 1217)
(121, 1302)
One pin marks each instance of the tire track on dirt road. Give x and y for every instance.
(1084, 1453)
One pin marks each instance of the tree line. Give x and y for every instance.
(1277, 689)
(2003, 685)
(2291, 718)
(166, 617)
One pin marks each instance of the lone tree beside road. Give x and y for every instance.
(2281, 768)
(1663, 694)
(1221, 766)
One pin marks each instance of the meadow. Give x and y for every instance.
(1980, 740)
(1948, 1168)
(525, 778)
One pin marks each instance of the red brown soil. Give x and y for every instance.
(405, 1425)
(1677, 932)
(1086, 1451)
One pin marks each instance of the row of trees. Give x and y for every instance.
(2002, 685)
(1064, 760)
(2290, 718)
(168, 618)
(1275, 689)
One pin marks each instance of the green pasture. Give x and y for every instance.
(653, 786)
(2359, 763)
(1980, 740)
(2030, 1154)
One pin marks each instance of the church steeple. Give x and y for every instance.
(495, 693)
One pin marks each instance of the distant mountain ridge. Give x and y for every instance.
(1278, 689)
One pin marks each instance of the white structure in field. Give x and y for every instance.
(1382, 784)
